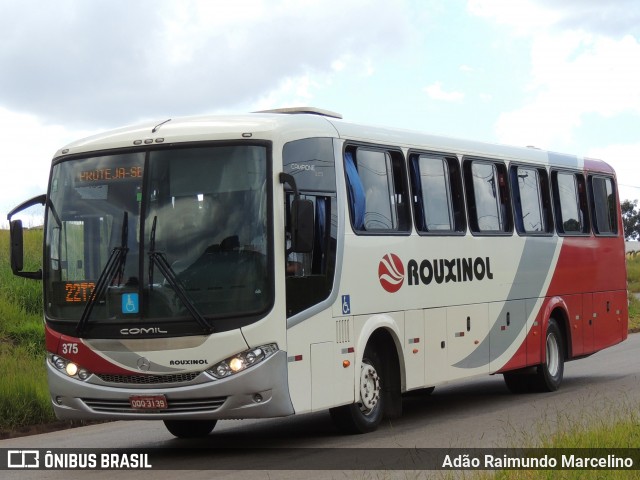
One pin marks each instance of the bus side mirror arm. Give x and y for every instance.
(302, 221)
(16, 240)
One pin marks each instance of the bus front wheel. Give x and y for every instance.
(366, 414)
(190, 428)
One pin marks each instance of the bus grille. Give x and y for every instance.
(148, 379)
(174, 406)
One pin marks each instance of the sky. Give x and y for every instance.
(562, 76)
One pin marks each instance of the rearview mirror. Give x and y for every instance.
(17, 252)
(16, 246)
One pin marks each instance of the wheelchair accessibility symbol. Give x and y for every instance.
(130, 303)
(346, 304)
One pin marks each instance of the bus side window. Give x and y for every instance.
(570, 203)
(315, 261)
(309, 276)
(378, 193)
(603, 205)
(531, 200)
(438, 205)
(487, 197)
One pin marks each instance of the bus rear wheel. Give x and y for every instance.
(547, 376)
(550, 372)
(365, 415)
(190, 428)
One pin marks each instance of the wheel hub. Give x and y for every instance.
(553, 355)
(369, 388)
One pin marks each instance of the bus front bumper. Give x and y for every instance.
(258, 392)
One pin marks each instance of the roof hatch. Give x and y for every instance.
(298, 110)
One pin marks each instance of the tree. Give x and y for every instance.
(631, 219)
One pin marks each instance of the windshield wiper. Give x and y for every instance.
(159, 260)
(114, 267)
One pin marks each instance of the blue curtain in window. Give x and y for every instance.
(321, 225)
(356, 192)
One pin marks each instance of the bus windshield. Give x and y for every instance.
(189, 226)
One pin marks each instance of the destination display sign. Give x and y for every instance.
(110, 174)
(73, 292)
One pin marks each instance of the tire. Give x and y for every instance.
(550, 372)
(190, 428)
(365, 415)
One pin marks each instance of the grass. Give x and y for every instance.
(25, 395)
(20, 298)
(633, 282)
(597, 432)
(24, 293)
(633, 273)
(634, 314)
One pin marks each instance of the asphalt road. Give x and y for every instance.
(478, 413)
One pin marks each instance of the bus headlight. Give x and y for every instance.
(68, 367)
(243, 360)
(71, 369)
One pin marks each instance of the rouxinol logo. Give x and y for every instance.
(391, 271)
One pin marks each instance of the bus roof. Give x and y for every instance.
(304, 122)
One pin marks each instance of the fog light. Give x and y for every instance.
(257, 398)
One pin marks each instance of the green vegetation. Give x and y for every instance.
(25, 396)
(623, 432)
(634, 314)
(597, 432)
(633, 279)
(633, 273)
(22, 293)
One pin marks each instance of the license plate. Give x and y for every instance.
(148, 402)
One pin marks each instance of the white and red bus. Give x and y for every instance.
(285, 262)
